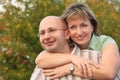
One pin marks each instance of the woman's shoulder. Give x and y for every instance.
(106, 39)
(104, 36)
(99, 42)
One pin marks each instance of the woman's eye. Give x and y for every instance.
(83, 25)
(72, 27)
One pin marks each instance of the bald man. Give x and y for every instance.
(54, 37)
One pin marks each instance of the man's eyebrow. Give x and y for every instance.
(51, 28)
(41, 30)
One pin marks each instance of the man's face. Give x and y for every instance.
(52, 35)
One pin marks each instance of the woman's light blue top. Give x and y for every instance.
(99, 42)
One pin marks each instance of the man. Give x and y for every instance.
(54, 37)
(53, 32)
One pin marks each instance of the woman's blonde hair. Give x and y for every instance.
(84, 12)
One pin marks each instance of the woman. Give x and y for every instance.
(83, 29)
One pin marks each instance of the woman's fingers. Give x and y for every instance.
(57, 72)
(77, 65)
(89, 70)
(54, 76)
(84, 71)
(48, 72)
(94, 64)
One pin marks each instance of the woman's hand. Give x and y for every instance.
(57, 72)
(84, 65)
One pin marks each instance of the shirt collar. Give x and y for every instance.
(93, 42)
(76, 50)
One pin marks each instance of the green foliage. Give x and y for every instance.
(19, 44)
(108, 17)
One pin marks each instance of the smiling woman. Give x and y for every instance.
(80, 30)
(86, 37)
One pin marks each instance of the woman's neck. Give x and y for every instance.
(85, 46)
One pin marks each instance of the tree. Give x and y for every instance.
(19, 45)
(108, 17)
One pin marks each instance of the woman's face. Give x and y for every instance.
(80, 30)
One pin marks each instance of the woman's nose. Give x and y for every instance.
(79, 31)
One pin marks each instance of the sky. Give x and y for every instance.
(1, 5)
(1, 8)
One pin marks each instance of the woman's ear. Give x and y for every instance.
(67, 34)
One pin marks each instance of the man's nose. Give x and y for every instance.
(47, 35)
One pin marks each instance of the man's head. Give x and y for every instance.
(53, 34)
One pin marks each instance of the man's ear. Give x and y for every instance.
(67, 34)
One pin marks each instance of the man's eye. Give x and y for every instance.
(52, 30)
(42, 33)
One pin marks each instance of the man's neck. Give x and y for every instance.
(67, 49)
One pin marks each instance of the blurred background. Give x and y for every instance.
(19, 22)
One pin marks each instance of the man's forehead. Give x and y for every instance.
(47, 25)
(52, 22)
(51, 19)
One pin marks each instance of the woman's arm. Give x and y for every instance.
(108, 67)
(63, 70)
(110, 63)
(50, 60)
